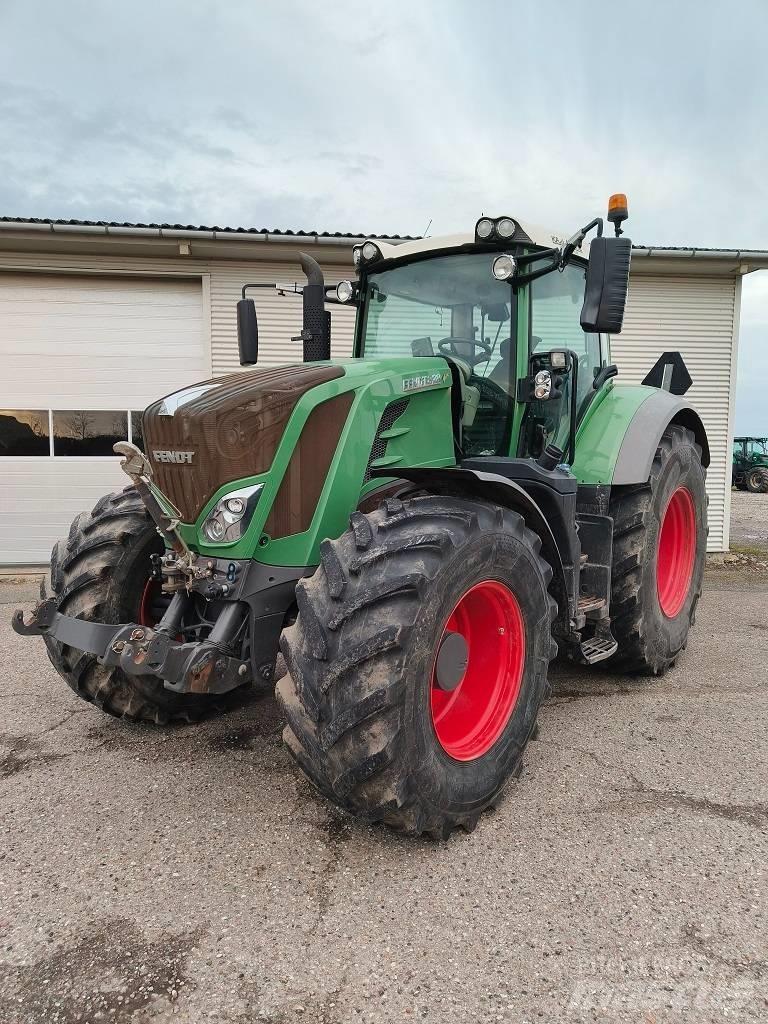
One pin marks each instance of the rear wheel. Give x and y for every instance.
(418, 662)
(101, 573)
(757, 481)
(660, 538)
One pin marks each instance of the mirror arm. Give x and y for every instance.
(523, 261)
(520, 279)
(576, 240)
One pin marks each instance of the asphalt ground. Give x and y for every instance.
(191, 873)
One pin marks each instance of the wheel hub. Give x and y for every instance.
(478, 670)
(452, 659)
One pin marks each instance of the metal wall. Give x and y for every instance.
(698, 316)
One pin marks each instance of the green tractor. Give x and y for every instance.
(419, 529)
(749, 470)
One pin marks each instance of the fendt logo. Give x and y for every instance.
(167, 456)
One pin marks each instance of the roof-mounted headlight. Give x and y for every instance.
(504, 267)
(484, 228)
(357, 255)
(498, 229)
(371, 251)
(345, 291)
(505, 227)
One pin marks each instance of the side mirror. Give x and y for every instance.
(247, 332)
(605, 292)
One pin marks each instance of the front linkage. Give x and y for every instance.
(212, 665)
(201, 667)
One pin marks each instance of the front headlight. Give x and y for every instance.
(231, 515)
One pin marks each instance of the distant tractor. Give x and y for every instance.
(419, 528)
(749, 471)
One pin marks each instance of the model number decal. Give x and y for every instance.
(425, 380)
(168, 456)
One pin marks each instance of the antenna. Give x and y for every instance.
(426, 229)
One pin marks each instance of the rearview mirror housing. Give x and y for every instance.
(247, 332)
(605, 291)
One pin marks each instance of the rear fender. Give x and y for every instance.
(638, 449)
(471, 483)
(618, 439)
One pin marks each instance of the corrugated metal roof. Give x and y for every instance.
(344, 237)
(299, 232)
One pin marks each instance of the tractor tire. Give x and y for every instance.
(659, 549)
(757, 481)
(380, 724)
(100, 573)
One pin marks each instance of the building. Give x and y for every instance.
(97, 320)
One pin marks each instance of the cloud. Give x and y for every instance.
(300, 115)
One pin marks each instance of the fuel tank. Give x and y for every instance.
(203, 436)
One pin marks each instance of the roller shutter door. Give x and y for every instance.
(79, 353)
(695, 316)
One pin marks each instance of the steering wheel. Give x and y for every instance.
(448, 348)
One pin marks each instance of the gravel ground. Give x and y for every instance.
(192, 874)
(749, 521)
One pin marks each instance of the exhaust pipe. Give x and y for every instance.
(316, 332)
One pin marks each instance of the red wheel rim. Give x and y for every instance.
(153, 603)
(677, 552)
(469, 719)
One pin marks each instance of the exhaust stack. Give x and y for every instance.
(316, 332)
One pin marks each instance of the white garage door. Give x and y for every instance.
(695, 316)
(79, 354)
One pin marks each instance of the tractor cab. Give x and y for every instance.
(514, 309)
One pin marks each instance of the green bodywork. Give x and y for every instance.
(422, 436)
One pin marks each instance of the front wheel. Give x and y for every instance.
(757, 481)
(418, 662)
(101, 573)
(659, 548)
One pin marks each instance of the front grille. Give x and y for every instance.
(392, 413)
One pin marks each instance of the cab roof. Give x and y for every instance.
(531, 234)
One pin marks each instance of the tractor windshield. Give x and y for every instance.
(448, 305)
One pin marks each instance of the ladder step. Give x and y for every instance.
(598, 648)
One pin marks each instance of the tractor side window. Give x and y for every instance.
(555, 309)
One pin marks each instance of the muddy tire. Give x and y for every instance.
(379, 723)
(757, 481)
(99, 573)
(659, 549)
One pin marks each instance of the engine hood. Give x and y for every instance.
(203, 436)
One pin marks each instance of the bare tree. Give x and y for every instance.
(119, 425)
(38, 423)
(79, 424)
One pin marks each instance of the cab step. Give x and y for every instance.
(597, 648)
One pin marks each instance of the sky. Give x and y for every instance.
(389, 117)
